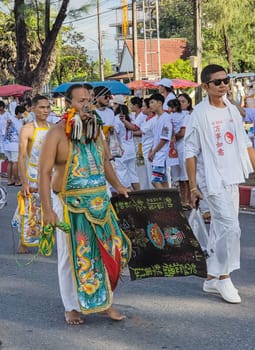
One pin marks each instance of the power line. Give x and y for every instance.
(83, 18)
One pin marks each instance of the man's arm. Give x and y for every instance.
(25, 134)
(46, 163)
(180, 134)
(152, 153)
(191, 166)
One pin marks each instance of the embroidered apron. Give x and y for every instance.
(28, 214)
(99, 250)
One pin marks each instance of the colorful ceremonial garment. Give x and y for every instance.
(28, 213)
(98, 248)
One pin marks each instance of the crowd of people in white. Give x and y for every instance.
(159, 142)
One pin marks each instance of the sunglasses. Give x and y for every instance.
(217, 82)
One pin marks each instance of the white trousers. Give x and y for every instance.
(224, 236)
(65, 277)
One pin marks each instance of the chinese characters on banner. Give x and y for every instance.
(162, 240)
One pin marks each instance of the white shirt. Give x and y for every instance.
(126, 138)
(11, 138)
(225, 147)
(107, 116)
(147, 134)
(3, 119)
(178, 120)
(162, 131)
(168, 97)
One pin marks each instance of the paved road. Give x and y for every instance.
(161, 313)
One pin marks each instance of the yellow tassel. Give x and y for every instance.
(21, 203)
(66, 215)
(70, 114)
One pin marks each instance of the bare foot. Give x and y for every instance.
(114, 314)
(73, 317)
(22, 249)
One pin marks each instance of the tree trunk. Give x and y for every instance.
(228, 50)
(40, 75)
(22, 69)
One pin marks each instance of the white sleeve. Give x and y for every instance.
(192, 146)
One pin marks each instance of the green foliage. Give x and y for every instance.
(179, 69)
(232, 22)
(227, 29)
(47, 44)
(94, 74)
(176, 19)
(72, 64)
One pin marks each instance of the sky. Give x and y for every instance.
(88, 26)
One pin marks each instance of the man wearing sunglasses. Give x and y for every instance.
(219, 156)
(102, 99)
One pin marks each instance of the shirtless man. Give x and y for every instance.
(30, 141)
(57, 153)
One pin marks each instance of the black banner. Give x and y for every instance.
(162, 240)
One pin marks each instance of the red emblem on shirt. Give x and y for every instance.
(229, 137)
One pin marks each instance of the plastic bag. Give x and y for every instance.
(115, 145)
(198, 227)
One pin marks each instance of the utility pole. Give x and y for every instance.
(198, 47)
(100, 52)
(134, 33)
(158, 41)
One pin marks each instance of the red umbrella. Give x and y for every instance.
(141, 84)
(13, 90)
(151, 84)
(180, 83)
(183, 83)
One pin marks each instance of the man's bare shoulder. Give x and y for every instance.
(27, 130)
(57, 131)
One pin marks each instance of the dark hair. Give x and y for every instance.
(146, 101)
(19, 109)
(175, 104)
(27, 103)
(38, 98)
(157, 97)
(189, 100)
(209, 70)
(123, 110)
(2, 104)
(87, 86)
(169, 89)
(137, 101)
(100, 91)
(69, 91)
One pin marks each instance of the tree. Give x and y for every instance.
(176, 19)
(227, 31)
(25, 74)
(179, 69)
(94, 71)
(72, 64)
(7, 46)
(36, 26)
